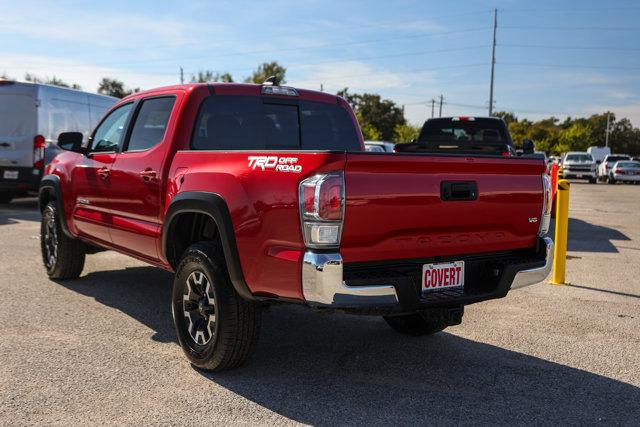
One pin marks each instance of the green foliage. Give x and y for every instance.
(405, 133)
(266, 70)
(114, 87)
(369, 133)
(372, 111)
(211, 76)
(574, 134)
(50, 81)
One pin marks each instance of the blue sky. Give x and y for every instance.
(553, 57)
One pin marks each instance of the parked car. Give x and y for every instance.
(379, 146)
(31, 117)
(607, 163)
(625, 171)
(579, 165)
(472, 135)
(261, 194)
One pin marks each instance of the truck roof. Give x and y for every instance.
(250, 89)
(5, 82)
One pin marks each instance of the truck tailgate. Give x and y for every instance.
(395, 207)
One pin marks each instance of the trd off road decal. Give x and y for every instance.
(278, 164)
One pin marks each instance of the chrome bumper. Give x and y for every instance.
(535, 275)
(322, 285)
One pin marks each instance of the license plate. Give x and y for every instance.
(579, 175)
(10, 175)
(445, 275)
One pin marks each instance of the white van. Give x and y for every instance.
(31, 118)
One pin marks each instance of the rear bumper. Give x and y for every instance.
(328, 283)
(629, 178)
(578, 174)
(28, 179)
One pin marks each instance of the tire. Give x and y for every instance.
(593, 181)
(611, 181)
(62, 256)
(216, 328)
(416, 324)
(5, 198)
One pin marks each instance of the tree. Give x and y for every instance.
(55, 81)
(114, 87)
(405, 133)
(211, 76)
(381, 114)
(266, 70)
(575, 133)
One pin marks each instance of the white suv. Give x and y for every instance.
(580, 165)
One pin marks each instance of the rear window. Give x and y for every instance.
(579, 157)
(463, 132)
(613, 159)
(256, 123)
(17, 115)
(634, 165)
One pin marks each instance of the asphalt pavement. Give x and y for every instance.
(102, 350)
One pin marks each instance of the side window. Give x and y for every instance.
(151, 123)
(107, 135)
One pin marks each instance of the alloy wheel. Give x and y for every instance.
(198, 303)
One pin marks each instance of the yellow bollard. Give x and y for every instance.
(562, 230)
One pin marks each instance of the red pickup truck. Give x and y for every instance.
(260, 194)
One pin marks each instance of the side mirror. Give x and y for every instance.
(71, 141)
(527, 147)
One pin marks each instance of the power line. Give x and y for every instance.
(510, 27)
(538, 46)
(576, 66)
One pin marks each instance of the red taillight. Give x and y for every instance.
(38, 151)
(505, 154)
(618, 171)
(330, 201)
(321, 206)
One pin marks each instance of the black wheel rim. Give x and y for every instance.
(50, 238)
(199, 308)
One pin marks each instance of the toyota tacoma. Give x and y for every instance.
(261, 194)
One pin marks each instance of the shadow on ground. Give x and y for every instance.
(19, 210)
(587, 237)
(340, 369)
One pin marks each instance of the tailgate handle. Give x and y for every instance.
(458, 190)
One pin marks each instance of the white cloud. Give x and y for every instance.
(75, 25)
(86, 75)
(356, 75)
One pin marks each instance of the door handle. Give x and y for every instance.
(103, 173)
(148, 175)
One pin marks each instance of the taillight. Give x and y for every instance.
(547, 204)
(38, 151)
(322, 209)
(618, 171)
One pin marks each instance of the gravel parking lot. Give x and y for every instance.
(102, 350)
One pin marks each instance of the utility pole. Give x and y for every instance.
(493, 59)
(440, 113)
(433, 105)
(181, 76)
(606, 131)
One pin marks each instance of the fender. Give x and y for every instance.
(51, 184)
(213, 205)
